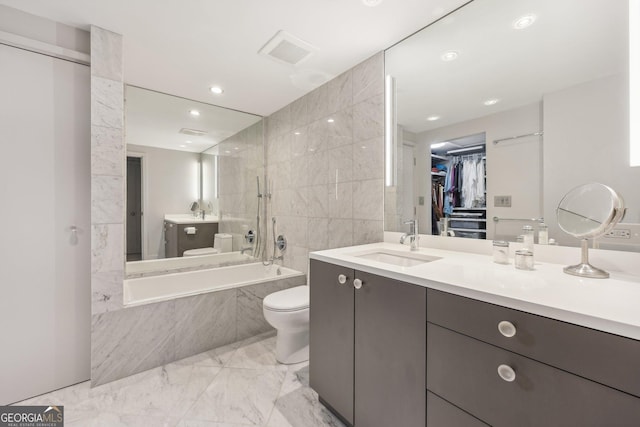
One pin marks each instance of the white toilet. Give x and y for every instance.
(222, 242)
(288, 312)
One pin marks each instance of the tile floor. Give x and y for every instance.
(233, 386)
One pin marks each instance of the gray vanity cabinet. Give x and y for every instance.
(331, 337)
(368, 347)
(176, 239)
(511, 368)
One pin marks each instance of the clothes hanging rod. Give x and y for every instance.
(496, 219)
(497, 141)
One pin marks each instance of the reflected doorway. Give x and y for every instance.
(134, 208)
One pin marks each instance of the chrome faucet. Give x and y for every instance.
(412, 235)
(248, 248)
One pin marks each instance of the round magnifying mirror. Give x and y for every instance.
(588, 212)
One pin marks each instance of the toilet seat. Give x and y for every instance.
(292, 299)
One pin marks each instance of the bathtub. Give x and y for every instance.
(154, 267)
(145, 290)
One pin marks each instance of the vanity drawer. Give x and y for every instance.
(464, 371)
(441, 413)
(600, 356)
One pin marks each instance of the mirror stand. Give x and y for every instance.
(584, 269)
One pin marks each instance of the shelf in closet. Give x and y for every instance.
(470, 230)
(438, 174)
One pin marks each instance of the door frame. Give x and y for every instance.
(143, 200)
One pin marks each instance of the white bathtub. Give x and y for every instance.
(144, 290)
(152, 267)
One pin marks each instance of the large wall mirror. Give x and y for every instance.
(188, 170)
(502, 107)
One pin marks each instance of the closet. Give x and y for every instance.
(458, 192)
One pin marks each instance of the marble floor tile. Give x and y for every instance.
(241, 396)
(257, 353)
(298, 405)
(237, 385)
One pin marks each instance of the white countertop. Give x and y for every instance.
(190, 219)
(610, 305)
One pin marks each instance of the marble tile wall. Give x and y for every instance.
(325, 156)
(135, 339)
(241, 159)
(107, 171)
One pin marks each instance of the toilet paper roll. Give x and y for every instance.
(190, 230)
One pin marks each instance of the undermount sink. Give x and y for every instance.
(401, 259)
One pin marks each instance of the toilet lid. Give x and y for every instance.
(288, 299)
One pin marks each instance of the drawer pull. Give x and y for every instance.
(507, 373)
(342, 279)
(507, 329)
(357, 283)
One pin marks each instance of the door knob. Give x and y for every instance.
(357, 283)
(132, 213)
(342, 279)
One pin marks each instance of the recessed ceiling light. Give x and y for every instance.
(524, 22)
(492, 101)
(236, 148)
(296, 133)
(194, 112)
(433, 118)
(330, 121)
(449, 55)
(371, 3)
(216, 89)
(188, 142)
(182, 146)
(438, 145)
(227, 152)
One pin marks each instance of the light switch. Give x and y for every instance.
(502, 201)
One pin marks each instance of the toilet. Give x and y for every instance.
(288, 312)
(222, 242)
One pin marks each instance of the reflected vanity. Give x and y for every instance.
(533, 111)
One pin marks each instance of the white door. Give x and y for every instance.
(45, 291)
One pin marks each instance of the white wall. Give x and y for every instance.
(588, 141)
(171, 183)
(513, 168)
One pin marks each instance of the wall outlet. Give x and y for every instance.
(421, 200)
(502, 201)
(619, 233)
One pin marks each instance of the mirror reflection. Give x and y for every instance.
(502, 108)
(187, 170)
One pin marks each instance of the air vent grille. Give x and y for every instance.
(193, 132)
(286, 48)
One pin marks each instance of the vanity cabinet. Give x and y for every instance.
(510, 368)
(368, 346)
(176, 239)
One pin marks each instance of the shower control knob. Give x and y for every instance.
(342, 279)
(357, 283)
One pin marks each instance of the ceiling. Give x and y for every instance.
(570, 42)
(155, 119)
(183, 48)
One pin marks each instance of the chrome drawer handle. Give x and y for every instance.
(342, 279)
(507, 373)
(357, 283)
(507, 329)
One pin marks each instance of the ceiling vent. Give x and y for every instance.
(193, 132)
(287, 49)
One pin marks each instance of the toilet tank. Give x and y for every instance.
(223, 242)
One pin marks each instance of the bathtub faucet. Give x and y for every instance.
(248, 248)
